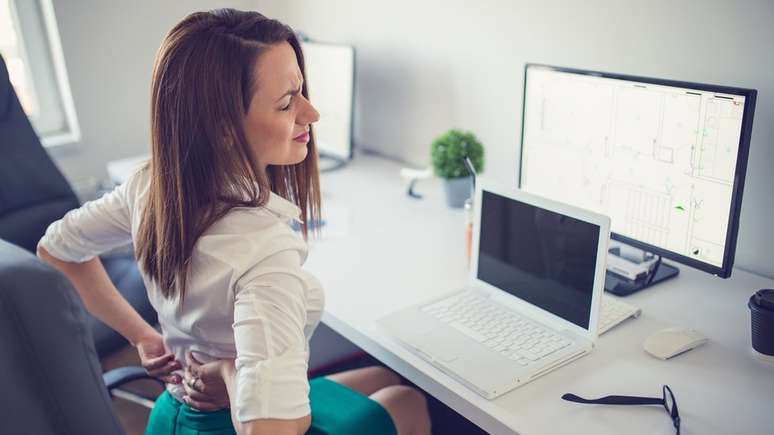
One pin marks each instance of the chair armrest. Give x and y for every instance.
(118, 377)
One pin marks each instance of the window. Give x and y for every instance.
(29, 43)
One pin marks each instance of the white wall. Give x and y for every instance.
(426, 66)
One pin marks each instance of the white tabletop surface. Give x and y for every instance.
(383, 251)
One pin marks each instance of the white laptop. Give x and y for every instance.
(533, 300)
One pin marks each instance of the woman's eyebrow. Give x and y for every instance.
(291, 91)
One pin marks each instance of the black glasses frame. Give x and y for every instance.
(667, 401)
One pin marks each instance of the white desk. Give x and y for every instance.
(400, 251)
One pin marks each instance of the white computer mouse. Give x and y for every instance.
(669, 342)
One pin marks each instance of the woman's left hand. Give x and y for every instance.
(204, 386)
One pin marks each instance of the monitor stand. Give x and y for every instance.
(328, 163)
(621, 285)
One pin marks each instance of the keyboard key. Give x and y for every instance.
(529, 355)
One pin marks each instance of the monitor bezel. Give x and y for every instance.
(723, 271)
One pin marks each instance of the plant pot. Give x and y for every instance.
(457, 191)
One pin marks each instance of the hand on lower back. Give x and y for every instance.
(204, 385)
(156, 360)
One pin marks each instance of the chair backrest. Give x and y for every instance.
(33, 193)
(50, 379)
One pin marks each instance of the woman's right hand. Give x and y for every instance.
(205, 385)
(155, 359)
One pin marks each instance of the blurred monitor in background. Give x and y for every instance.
(330, 75)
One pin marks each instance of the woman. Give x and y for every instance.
(233, 163)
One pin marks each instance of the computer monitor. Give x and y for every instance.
(330, 76)
(666, 160)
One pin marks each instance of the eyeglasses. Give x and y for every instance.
(667, 401)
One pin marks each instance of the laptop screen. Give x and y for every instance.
(540, 256)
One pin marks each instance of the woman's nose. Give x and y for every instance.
(309, 115)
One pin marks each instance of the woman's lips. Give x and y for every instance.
(304, 137)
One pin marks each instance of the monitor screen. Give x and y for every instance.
(330, 82)
(665, 160)
(542, 257)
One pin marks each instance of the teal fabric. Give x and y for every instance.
(336, 409)
(170, 417)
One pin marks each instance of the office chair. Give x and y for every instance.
(50, 378)
(33, 194)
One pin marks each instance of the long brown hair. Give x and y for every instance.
(201, 165)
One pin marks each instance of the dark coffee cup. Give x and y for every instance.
(762, 316)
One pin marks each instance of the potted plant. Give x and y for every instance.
(448, 153)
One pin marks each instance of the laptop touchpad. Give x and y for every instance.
(438, 345)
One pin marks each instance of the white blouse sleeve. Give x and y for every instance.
(94, 228)
(269, 321)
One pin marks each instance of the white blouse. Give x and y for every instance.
(247, 296)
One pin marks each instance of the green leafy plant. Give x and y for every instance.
(449, 150)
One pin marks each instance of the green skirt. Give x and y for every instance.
(336, 409)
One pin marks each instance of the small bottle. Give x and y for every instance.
(469, 216)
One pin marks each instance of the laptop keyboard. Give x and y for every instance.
(501, 330)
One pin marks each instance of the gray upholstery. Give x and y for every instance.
(50, 377)
(33, 193)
